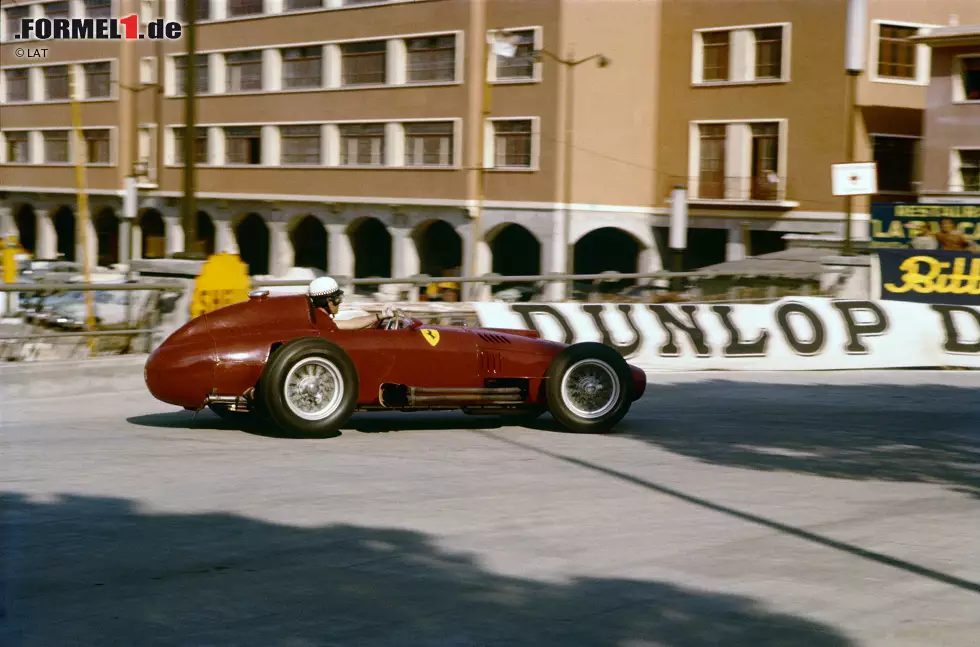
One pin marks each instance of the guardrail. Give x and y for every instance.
(28, 341)
(158, 315)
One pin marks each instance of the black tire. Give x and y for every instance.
(615, 378)
(287, 413)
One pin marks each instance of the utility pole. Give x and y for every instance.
(188, 210)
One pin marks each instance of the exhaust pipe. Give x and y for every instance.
(399, 395)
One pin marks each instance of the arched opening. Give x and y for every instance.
(153, 234)
(371, 243)
(515, 252)
(309, 238)
(205, 233)
(440, 249)
(26, 222)
(64, 229)
(107, 235)
(253, 243)
(606, 250)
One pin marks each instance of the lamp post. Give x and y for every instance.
(569, 64)
(857, 21)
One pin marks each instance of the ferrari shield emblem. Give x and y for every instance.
(431, 336)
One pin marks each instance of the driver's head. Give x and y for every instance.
(325, 293)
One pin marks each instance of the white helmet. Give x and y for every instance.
(324, 287)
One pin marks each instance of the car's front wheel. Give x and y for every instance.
(589, 387)
(309, 387)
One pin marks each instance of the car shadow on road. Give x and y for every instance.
(96, 571)
(368, 422)
(916, 434)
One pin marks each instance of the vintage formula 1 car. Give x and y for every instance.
(286, 361)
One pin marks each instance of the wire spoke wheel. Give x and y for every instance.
(590, 388)
(313, 388)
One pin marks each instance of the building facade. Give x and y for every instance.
(347, 134)
(951, 137)
(755, 115)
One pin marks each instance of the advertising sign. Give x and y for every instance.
(928, 276)
(793, 334)
(895, 225)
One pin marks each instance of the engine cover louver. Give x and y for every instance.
(493, 338)
(491, 362)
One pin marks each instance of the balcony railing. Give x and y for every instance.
(764, 188)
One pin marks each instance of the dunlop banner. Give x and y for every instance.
(927, 276)
(895, 225)
(797, 334)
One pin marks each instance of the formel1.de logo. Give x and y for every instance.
(127, 28)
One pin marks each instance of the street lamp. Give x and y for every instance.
(857, 21)
(564, 225)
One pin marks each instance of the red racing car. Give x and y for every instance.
(286, 360)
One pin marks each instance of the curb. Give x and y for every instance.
(76, 377)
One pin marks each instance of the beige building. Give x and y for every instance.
(345, 134)
(951, 137)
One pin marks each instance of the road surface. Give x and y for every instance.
(829, 509)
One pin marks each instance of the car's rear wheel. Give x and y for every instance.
(309, 387)
(589, 387)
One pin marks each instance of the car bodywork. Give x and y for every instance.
(219, 357)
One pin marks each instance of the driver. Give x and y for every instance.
(325, 294)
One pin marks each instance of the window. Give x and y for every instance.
(896, 159)
(429, 144)
(741, 55)
(201, 75)
(716, 47)
(18, 151)
(56, 83)
(98, 8)
(244, 71)
(299, 5)
(969, 172)
(512, 143)
(970, 78)
(521, 64)
(711, 169)
(200, 145)
(17, 85)
(14, 16)
(896, 53)
(769, 53)
(243, 145)
(97, 79)
(362, 144)
(57, 9)
(56, 146)
(431, 59)
(203, 10)
(738, 161)
(364, 63)
(302, 67)
(238, 8)
(765, 162)
(300, 144)
(96, 146)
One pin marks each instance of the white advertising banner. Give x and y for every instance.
(793, 334)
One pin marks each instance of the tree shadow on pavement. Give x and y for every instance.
(920, 433)
(97, 571)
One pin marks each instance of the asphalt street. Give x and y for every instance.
(806, 509)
